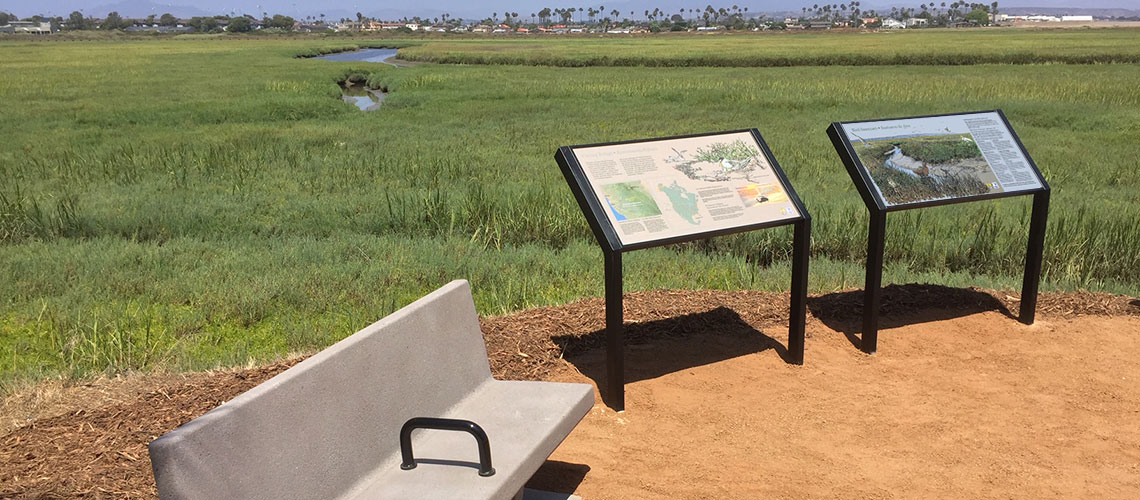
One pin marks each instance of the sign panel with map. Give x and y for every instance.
(937, 159)
(666, 190)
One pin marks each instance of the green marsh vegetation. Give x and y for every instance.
(941, 149)
(898, 47)
(190, 203)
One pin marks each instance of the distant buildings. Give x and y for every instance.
(29, 28)
(179, 26)
(1042, 18)
(157, 28)
(309, 27)
(544, 28)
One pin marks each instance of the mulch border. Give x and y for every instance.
(101, 453)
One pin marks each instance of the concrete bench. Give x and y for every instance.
(330, 427)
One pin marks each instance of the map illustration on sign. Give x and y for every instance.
(684, 202)
(916, 160)
(629, 200)
(666, 188)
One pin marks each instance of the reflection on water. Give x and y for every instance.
(357, 93)
(365, 55)
(364, 98)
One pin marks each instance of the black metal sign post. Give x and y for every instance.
(613, 247)
(878, 208)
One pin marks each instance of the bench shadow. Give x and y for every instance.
(659, 347)
(558, 477)
(901, 305)
(1135, 302)
(553, 476)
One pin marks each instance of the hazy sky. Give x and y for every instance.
(336, 9)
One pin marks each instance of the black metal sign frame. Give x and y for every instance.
(612, 248)
(878, 209)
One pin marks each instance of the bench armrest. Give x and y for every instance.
(445, 424)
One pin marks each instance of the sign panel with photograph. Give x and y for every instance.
(923, 161)
(926, 160)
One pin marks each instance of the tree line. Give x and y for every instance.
(937, 14)
(114, 21)
(732, 17)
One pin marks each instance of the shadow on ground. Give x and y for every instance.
(651, 349)
(902, 305)
(559, 477)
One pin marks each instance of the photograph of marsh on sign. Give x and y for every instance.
(917, 160)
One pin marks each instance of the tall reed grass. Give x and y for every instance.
(193, 203)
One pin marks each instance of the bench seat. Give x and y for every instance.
(329, 427)
(525, 422)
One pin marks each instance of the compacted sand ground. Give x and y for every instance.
(973, 407)
(961, 401)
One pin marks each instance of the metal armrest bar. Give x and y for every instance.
(445, 424)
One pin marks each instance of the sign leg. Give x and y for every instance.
(615, 334)
(872, 288)
(1033, 256)
(801, 253)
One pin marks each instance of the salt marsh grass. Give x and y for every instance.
(193, 203)
(936, 47)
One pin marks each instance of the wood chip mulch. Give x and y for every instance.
(101, 453)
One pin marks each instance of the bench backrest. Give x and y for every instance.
(317, 428)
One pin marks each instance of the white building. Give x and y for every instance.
(29, 27)
(893, 24)
(1077, 18)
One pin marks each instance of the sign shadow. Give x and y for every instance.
(659, 347)
(902, 305)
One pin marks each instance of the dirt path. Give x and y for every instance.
(960, 402)
(972, 407)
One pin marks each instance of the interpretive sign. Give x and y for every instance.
(923, 161)
(926, 160)
(645, 193)
(669, 190)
